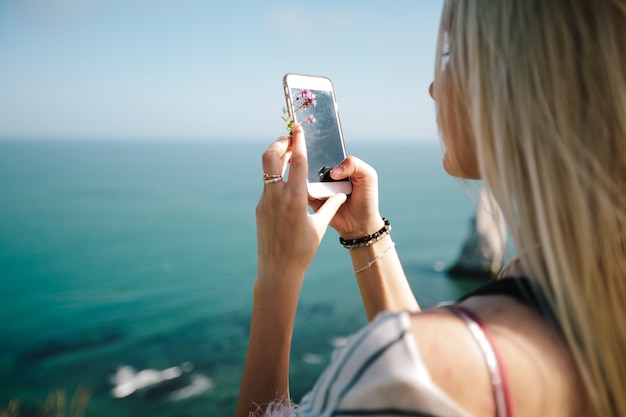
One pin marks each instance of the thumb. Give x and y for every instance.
(354, 168)
(327, 211)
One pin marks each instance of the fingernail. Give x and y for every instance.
(338, 170)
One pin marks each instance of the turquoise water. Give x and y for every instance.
(142, 254)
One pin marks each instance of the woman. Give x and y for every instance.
(531, 98)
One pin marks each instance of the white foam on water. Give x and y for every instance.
(127, 380)
(199, 384)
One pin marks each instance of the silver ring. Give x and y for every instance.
(272, 178)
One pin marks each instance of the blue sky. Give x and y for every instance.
(209, 70)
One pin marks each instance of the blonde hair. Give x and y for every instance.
(541, 88)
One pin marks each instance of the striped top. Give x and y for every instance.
(378, 373)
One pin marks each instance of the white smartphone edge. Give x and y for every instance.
(318, 190)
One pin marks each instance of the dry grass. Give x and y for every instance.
(56, 405)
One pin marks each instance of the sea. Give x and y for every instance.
(126, 270)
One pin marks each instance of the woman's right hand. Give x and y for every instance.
(383, 286)
(359, 215)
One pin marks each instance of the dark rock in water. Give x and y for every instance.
(483, 252)
(58, 347)
(165, 388)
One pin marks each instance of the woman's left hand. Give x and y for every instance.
(288, 237)
(287, 234)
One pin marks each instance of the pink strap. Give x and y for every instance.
(501, 393)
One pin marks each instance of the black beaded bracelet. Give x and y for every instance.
(366, 240)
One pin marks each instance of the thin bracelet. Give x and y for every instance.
(376, 259)
(367, 240)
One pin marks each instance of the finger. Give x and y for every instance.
(354, 168)
(327, 211)
(275, 157)
(298, 169)
(315, 204)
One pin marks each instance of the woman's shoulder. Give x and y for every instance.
(533, 357)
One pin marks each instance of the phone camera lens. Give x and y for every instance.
(324, 174)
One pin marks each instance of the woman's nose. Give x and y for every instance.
(430, 90)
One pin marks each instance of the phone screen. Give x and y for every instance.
(323, 137)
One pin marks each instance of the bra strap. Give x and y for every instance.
(501, 393)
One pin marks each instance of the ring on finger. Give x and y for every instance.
(272, 178)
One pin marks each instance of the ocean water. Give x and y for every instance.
(120, 257)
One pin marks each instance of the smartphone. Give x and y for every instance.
(311, 101)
